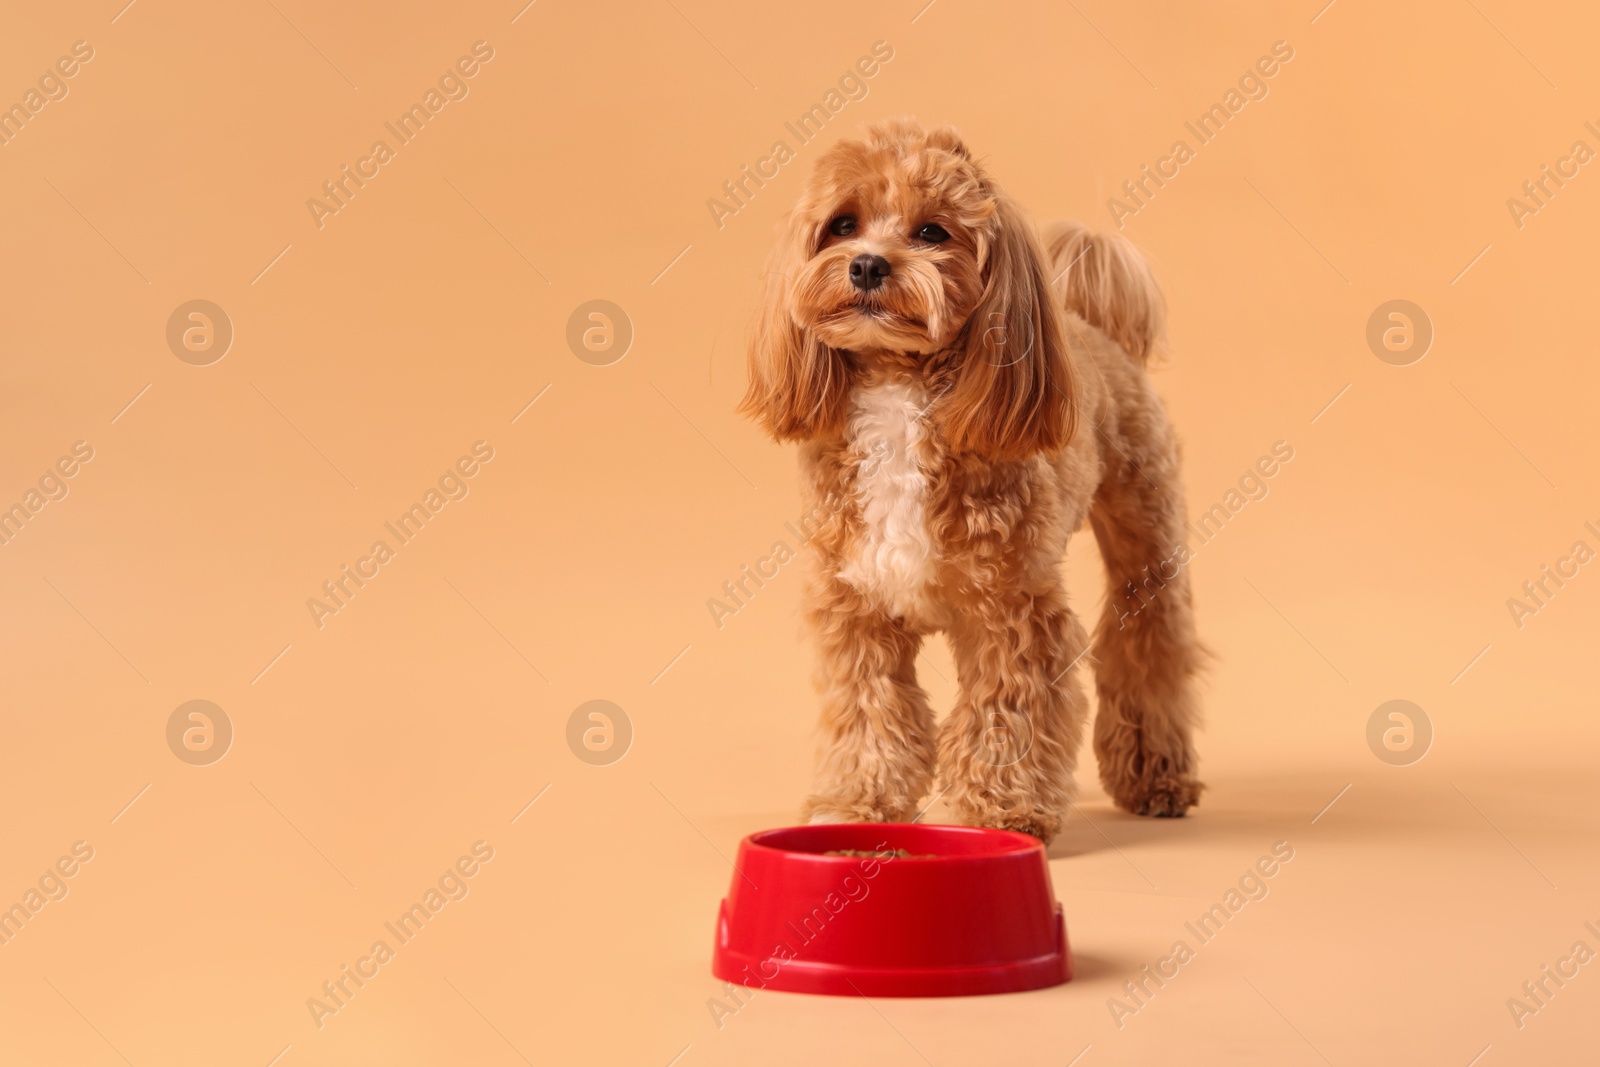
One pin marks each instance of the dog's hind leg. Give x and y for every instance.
(1146, 651)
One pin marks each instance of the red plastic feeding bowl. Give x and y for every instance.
(970, 911)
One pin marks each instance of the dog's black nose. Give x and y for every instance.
(867, 271)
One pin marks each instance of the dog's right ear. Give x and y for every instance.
(798, 385)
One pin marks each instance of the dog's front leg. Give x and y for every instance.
(1008, 750)
(876, 754)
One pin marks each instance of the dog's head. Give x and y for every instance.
(902, 247)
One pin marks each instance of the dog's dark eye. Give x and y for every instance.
(843, 226)
(933, 233)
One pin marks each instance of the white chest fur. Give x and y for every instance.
(894, 562)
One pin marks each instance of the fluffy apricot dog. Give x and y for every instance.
(966, 396)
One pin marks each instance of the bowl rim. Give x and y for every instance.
(1013, 842)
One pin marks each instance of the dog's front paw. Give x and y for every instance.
(1038, 824)
(1166, 796)
(1019, 814)
(818, 810)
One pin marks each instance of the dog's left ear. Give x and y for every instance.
(798, 385)
(1010, 394)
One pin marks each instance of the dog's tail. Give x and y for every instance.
(1106, 280)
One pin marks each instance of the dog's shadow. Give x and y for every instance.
(1096, 827)
(1101, 827)
(1245, 809)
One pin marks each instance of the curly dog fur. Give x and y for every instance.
(974, 395)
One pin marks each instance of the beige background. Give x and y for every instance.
(369, 354)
